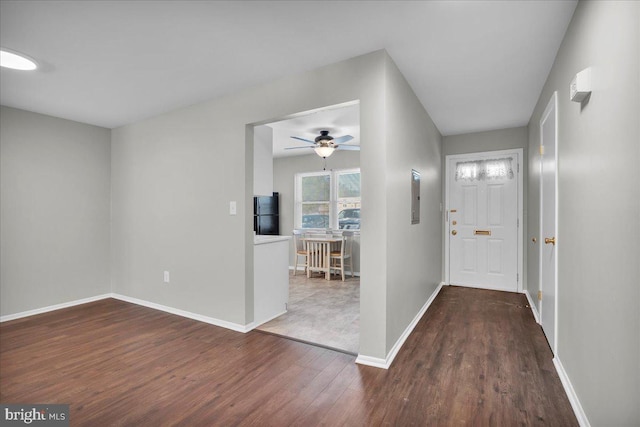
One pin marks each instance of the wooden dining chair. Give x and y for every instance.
(341, 258)
(301, 251)
(317, 232)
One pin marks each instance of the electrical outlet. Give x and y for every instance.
(539, 295)
(166, 277)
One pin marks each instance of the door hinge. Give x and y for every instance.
(542, 150)
(518, 167)
(539, 295)
(518, 222)
(517, 277)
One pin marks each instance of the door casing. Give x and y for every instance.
(447, 223)
(549, 291)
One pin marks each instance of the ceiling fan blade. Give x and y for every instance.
(303, 140)
(295, 148)
(342, 139)
(348, 147)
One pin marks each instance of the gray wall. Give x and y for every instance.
(172, 178)
(413, 251)
(174, 175)
(284, 171)
(263, 161)
(55, 201)
(493, 140)
(598, 158)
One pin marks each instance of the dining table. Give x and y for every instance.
(319, 253)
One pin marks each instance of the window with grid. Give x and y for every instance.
(328, 199)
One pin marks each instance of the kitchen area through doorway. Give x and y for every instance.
(311, 163)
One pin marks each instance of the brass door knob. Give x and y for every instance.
(551, 240)
(454, 232)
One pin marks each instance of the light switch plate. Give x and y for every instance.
(233, 209)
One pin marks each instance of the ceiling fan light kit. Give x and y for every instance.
(324, 150)
(324, 145)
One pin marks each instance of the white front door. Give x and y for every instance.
(548, 215)
(483, 220)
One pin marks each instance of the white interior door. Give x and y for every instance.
(483, 220)
(548, 219)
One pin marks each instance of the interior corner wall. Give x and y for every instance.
(175, 174)
(493, 140)
(598, 186)
(263, 161)
(55, 211)
(414, 253)
(284, 172)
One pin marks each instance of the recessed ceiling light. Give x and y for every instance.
(16, 61)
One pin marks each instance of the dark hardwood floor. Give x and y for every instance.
(476, 358)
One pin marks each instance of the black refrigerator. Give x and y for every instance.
(266, 217)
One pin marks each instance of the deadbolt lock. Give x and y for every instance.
(454, 232)
(454, 222)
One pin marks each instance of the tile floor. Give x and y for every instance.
(321, 312)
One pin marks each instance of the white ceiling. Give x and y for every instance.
(475, 65)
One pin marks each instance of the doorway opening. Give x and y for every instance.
(318, 187)
(483, 240)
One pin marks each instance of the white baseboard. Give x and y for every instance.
(254, 325)
(217, 322)
(376, 362)
(386, 362)
(47, 309)
(571, 394)
(534, 310)
(206, 319)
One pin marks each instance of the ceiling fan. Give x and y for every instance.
(324, 145)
